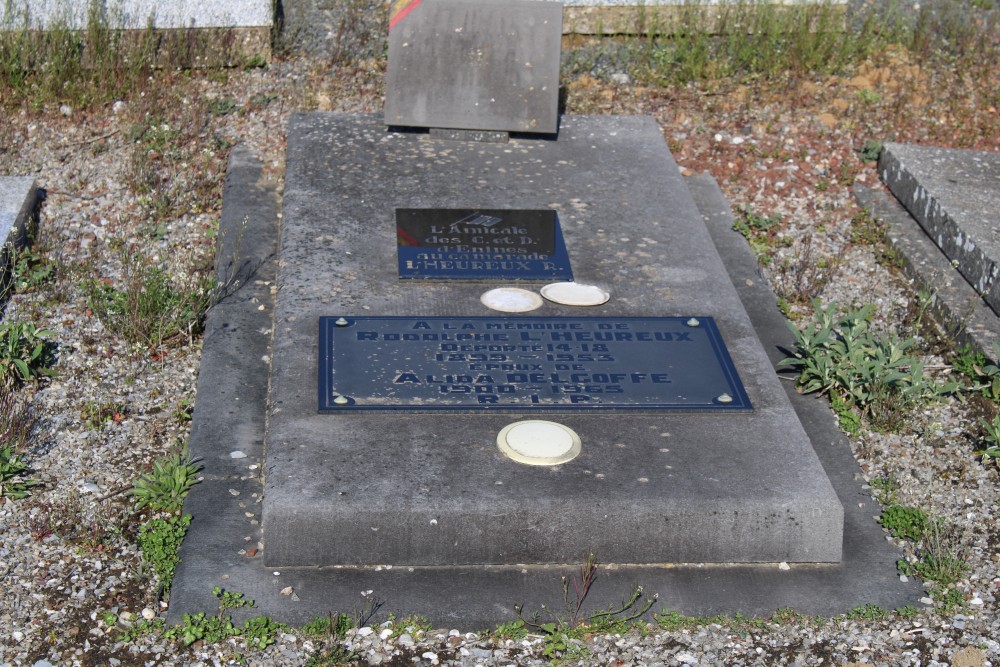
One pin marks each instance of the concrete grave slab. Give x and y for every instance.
(963, 312)
(955, 196)
(18, 200)
(474, 65)
(426, 490)
(221, 547)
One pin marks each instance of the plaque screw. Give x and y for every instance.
(693, 322)
(342, 400)
(341, 322)
(724, 398)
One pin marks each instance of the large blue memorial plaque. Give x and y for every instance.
(526, 364)
(485, 244)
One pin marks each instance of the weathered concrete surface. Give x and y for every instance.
(227, 433)
(218, 549)
(955, 196)
(409, 489)
(475, 65)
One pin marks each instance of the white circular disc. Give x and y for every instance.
(575, 294)
(511, 300)
(538, 442)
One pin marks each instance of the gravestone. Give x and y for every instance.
(405, 413)
(474, 65)
(419, 487)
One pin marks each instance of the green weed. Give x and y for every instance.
(908, 523)
(14, 481)
(992, 428)
(30, 270)
(164, 487)
(886, 490)
(873, 372)
(97, 415)
(940, 559)
(140, 628)
(159, 540)
(980, 371)
(561, 630)
(149, 308)
(259, 631)
(849, 420)
(515, 630)
(332, 626)
(413, 624)
(868, 612)
(760, 232)
(871, 150)
(26, 353)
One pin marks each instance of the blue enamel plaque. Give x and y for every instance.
(484, 244)
(470, 364)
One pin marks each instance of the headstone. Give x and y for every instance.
(474, 65)
(954, 195)
(393, 487)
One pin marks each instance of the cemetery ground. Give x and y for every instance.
(100, 346)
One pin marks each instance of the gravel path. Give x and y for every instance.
(143, 177)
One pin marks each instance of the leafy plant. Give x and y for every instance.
(984, 374)
(886, 490)
(940, 560)
(848, 419)
(184, 410)
(14, 483)
(164, 487)
(992, 438)
(159, 540)
(873, 372)
(149, 308)
(868, 612)
(332, 625)
(560, 630)
(30, 270)
(908, 523)
(759, 231)
(26, 353)
(258, 631)
(97, 414)
(871, 150)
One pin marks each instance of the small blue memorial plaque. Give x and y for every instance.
(418, 364)
(484, 244)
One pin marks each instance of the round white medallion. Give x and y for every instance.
(538, 442)
(575, 294)
(511, 300)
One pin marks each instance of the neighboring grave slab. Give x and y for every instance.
(474, 64)
(387, 487)
(468, 244)
(954, 195)
(18, 199)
